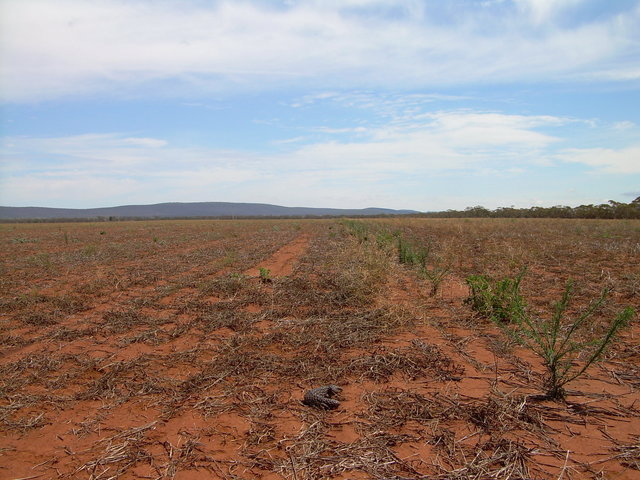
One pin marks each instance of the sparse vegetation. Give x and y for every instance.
(498, 300)
(560, 341)
(436, 276)
(172, 359)
(265, 275)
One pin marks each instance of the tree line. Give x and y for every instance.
(610, 210)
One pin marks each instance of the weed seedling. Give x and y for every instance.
(436, 275)
(560, 341)
(265, 275)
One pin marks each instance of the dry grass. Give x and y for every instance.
(629, 455)
(114, 455)
(420, 360)
(172, 328)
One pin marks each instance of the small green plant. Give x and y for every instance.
(384, 239)
(42, 259)
(436, 276)
(420, 257)
(24, 240)
(265, 275)
(499, 300)
(560, 341)
(358, 229)
(409, 254)
(229, 258)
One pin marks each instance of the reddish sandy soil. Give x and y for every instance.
(155, 350)
(284, 260)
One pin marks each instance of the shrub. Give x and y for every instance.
(385, 238)
(560, 341)
(498, 300)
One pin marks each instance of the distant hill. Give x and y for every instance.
(185, 210)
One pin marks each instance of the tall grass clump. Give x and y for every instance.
(560, 340)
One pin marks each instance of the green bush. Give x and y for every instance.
(409, 254)
(498, 300)
(561, 342)
(421, 257)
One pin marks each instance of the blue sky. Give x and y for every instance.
(427, 105)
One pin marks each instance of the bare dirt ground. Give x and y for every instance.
(157, 350)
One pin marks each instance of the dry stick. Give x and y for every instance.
(293, 466)
(564, 467)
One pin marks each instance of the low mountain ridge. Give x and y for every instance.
(185, 210)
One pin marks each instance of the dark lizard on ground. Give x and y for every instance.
(321, 397)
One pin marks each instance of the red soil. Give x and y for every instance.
(208, 433)
(281, 263)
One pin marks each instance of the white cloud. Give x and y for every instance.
(117, 47)
(340, 130)
(471, 129)
(145, 142)
(66, 190)
(545, 10)
(605, 160)
(97, 167)
(624, 125)
(401, 161)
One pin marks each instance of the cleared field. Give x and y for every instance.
(183, 349)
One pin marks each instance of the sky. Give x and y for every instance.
(418, 104)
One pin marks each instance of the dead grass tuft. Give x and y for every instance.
(187, 455)
(30, 369)
(416, 361)
(500, 460)
(40, 319)
(313, 453)
(121, 321)
(228, 285)
(116, 454)
(629, 455)
(231, 318)
(499, 413)
(33, 415)
(395, 407)
(122, 380)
